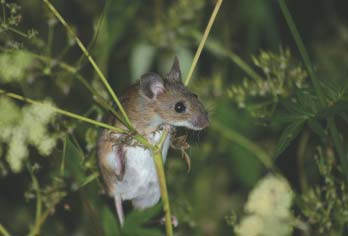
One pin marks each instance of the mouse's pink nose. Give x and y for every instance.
(201, 121)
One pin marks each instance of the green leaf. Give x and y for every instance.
(287, 136)
(89, 179)
(141, 59)
(338, 109)
(316, 127)
(135, 221)
(73, 160)
(118, 17)
(110, 224)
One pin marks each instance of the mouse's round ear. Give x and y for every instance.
(175, 73)
(151, 85)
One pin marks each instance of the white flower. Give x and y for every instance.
(14, 65)
(271, 196)
(268, 207)
(250, 226)
(10, 113)
(17, 151)
(46, 145)
(19, 128)
(43, 112)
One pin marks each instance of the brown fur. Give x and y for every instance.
(147, 112)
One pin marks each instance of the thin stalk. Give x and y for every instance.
(43, 218)
(3, 231)
(90, 59)
(18, 32)
(63, 112)
(62, 164)
(157, 155)
(338, 144)
(234, 136)
(300, 160)
(331, 122)
(3, 12)
(202, 43)
(50, 39)
(36, 227)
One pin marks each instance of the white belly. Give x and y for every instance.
(140, 182)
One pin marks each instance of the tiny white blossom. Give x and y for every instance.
(250, 226)
(271, 196)
(46, 146)
(268, 207)
(17, 151)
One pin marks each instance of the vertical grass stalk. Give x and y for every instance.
(157, 155)
(202, 43)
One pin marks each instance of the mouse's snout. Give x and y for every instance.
(201, 121)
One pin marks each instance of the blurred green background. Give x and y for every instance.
(131, 37)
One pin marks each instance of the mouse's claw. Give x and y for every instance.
(175, 221)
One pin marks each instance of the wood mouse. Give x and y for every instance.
(152, 103)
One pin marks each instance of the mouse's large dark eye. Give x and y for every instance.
(180, 107)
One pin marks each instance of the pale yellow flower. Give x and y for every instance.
(271, 196)
(14, 65)
(268, 209)
(250, 226)
(10, 113)
(46, 146)
(17, 151)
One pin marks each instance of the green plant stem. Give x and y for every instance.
(300, 160)
(17, 32)
(234, 136)
(43, 218)
(50, 40)
(202, 43)
(157, 155)
(90, 59)
(331, 122)
(3, 12)
(338, 144)
(62, 164)
(3, 231)
(36, 227)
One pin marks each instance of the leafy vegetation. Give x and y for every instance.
(273, 162)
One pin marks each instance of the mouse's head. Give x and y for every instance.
(172, 102)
